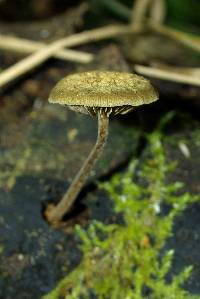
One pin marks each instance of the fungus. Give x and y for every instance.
(102, 94)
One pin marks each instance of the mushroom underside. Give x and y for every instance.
(108, 111)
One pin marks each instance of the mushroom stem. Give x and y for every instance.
(55, 214)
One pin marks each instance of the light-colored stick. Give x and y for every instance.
(169, 75)
(46, 52)
(158, 11)
(156, 8)
(139, 12)
(177, 35)
(26, 46)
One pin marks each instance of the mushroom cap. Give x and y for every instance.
(103, 89)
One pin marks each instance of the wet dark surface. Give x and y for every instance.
(186, 240)
(34, 255)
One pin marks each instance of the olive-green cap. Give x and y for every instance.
(103, 89)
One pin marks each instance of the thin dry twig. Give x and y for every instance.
(26, 46)
(158, 11)
(139, 12)
(156, 8)
(46, 52)
(177, 35)
(178, 75)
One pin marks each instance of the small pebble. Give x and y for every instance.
(184, 150)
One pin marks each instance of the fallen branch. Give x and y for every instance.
(156, 9)
(46, 52)
(25, 46)
(139, 13)
(171, 74)
(177, 35)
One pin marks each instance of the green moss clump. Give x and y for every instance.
(127, 260)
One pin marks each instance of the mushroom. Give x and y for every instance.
(102, 94)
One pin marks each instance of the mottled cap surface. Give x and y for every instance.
(103, 89)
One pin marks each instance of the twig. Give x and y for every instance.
(25, 46)
(170, 74)
(182, 37)
(157, 15)
(158, 11)
(156, 8)
(139, 12)
(42, 55)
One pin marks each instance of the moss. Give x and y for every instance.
(127, 260)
